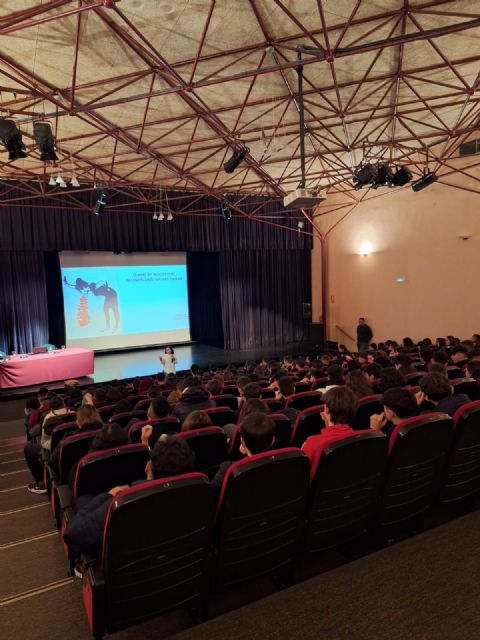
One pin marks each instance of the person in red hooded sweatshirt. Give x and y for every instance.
(341, 406)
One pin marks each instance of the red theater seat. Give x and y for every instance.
(367, 407)
(260, 516)
(226, 400)
(155, 555)
(308, 423)
(304, 400)
(169, 425)
(220, 416)
(124, 418)
(464, 385)
(60, 432)
(345, 490)
(209, 446)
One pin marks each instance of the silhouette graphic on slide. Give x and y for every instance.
(110, 304)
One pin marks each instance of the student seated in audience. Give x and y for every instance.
(357, 382)
(194, 397)
(158, 408)
(440, 357)
(398, 405)
(403, 364)
(122, 406)
(459, 355)
(389, 378)
(215, 386)
(363, 358)
(84, 533)
(341, 406)
(194, 420)
(472, 370)
(99, 397)
(30, 421)
(335, 377)
(436, 390)
(34, 454)
(252, 390)
(257, 434)
(426, 354)
(436, 367)
(87, 419)
(372, 373)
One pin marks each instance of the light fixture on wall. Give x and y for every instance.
(365, 248)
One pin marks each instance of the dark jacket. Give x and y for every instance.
(364, 333)
(194, 399)
(452, 403)
(84, 532)
(217, 480)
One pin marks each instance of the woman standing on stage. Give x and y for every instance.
(169, 361)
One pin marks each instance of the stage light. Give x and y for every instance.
(59, 178)
(74, 181)
(42, 133)
(161, 216)
(428, 178)
(52, 182)
(225, 211)
(12, 139)
(63, 184)
(365, 248)
(155, 216)
(101, 203)
(367, 174)
(170, 217)
(402, 176)
(385, 175)
(236, 159)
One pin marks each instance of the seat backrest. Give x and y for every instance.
(209, 446)
(107, 412)
(226, 400)
(267, 394)
(414, 378)
(461, 480)
(302, 386)
(304, 400)
(124, 418)
(283, 430)
(260, 515)
(454, 373)
(61, 431)
(221, 416)
(135, 399)
(274, 405)
(143, 404)
(367, 406)
(321, 383)
(464, 385)
(345, 490)
(156, 544)
(99, 471)
(309, 422)
(417, 451)
(72, 448)
(168, 425)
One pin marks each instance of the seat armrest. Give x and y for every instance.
(65, 496)
(94, 599)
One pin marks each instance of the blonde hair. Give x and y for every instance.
(88, 415)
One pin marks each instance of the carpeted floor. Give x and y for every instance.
(425, 588)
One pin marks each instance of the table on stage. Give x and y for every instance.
(26, 370)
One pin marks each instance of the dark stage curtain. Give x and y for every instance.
(23, 301)
(53, 277)
(262, 294)
(204, 298)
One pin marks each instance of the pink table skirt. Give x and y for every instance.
(25, 371)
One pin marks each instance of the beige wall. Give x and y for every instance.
(414, 236)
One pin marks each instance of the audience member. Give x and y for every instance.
(194, 397)
(357, 382)
(196, 420)
(372, 373)
(398, 405)
(436, 390)
(389, 378)
(459, 355)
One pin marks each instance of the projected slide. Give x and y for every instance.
(114, 301)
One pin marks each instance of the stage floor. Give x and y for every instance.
(143, 362)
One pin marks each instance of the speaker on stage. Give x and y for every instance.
(316, 335)
(307, 311)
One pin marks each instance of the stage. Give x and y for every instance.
(116, 365)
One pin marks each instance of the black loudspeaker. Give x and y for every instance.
(307, 311)
(316, 334)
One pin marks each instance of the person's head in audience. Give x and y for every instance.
(257, 434)
(440, 356)
(259, 372)
(190, 382)
(286, 388)
(158, 408)
(459, 355)
(403, 364)
(441, 343)
(170, 457)
(50, 424)
(436, 367)
(426, 354)
(389, 378)
(435, 387)
(99, 396)
(160, 379)
(122, 406)
(476, 340)
(113, 395)
(154, 391)
(335, 374)
(473, 370)
(56, 403)
(242, 382)
(196, 420)
(287, 362)
(372, 372)
(382, 359)
(363, 358)
(407, 343)
(195, 370)
(111, 435)
(341, 406)
(325, 360)
(316, 374)
(353, 365)
(170, 380)
(357, 382)
(254, 405)
(215, 387)
(88, 418)
(228, 376)
(43, 395)
(252, 390)
(399, 404)
(32, 403)
(300, 363)
(372, 347)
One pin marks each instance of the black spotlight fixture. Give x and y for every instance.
(238, 157)
(384, 175)
(225, 211)
(402, 176)
(12, 139)
(42, 133)
(365, 175)
(428, 178)
(101, 203)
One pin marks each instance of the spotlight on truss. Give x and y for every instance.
(42, 133)
(402, 176)
(225, 211)
(170, 216)
(428, 178)
(101, 203)
(12, 139)
(366, 175)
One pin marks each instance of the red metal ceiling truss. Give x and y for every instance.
(373, 114)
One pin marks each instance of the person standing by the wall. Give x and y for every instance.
(364, 335)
